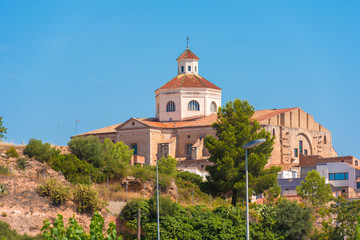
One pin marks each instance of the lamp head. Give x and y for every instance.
(254, 143)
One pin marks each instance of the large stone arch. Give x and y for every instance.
(307, 141)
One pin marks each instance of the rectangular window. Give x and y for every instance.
(182, 68)
(356, 163)
(188, 149)
(358, 185)
(305, 152)
(296, 152)
(301, 147)
(189, 68)
(338, 176)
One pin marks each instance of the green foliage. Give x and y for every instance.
(3, 190)
(76, 170)
(57, 193)
(272, 193)
(190, 177)
(89, 149)
(146, 173)
(11, 152)
(3, 130)
(234, 128)
(4, 170)
(344, 224)
(21, 163)
(87, 199)
(74, 231)
(167, 165)
(292, 220)
(225, 222)
(40, 151)
(116, 157)
(7, 233)
(314, 189)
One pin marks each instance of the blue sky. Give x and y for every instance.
(100, 62)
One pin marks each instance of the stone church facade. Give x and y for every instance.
(186, 107)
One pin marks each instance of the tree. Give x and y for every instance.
(167, 165)
(89, 149)
(292, 220)
(2, 129)
(314, 189)
(116, 158)
(41, 151)
(234, 128)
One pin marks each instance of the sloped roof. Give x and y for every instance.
(189, 81)
(187, 54)
(187, 123)
(261, 115)
(109, 129)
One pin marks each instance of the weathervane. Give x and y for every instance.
(187, 42)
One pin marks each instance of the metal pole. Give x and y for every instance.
(126, 191)
(247, 197)
(107, 186)
(209, 199)
(192, 200)
(157, 201)
(138, 225)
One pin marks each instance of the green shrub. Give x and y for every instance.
(87, 199)
(3, 190)
(167, 165)
(75, 231)
(21, 163)
(190, 177)
(11, 152)
(41, 152)
(7, 233)
(146, 173)
(76, 170)
(89, 149)
(55, 191)
(4, 170)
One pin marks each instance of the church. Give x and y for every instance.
(186, 107)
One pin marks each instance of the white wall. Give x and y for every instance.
(338, 167)
(189, 62)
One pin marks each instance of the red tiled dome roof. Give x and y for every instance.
(190, 81)
(187, 54)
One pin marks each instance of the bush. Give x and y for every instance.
(76, 170)
(4, 170)
(7, 233)
(3, 190)
(87, 199)
(167, 165)
(11, 152)
(190, 177)
(55, 191)
(75, 231)
(146, 173)
(41, 152)
(89, 149)
(21, 163)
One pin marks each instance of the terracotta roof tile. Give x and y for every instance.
(109, 129)
(187, 54)
(189, 80)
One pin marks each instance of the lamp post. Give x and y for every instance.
(157, 200)
(247, 146)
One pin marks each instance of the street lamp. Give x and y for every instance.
(247, 146)
(157, 199)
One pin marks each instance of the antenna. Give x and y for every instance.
(187, 42)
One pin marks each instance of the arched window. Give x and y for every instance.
(213, 107)
(182, 68)
(170, 106)
(193, 106)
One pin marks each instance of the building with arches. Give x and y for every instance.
(186, 107)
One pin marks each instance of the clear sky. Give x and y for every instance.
(99, 62)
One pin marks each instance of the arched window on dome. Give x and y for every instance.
(170, 106)
(213, 107)
(193, 106)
